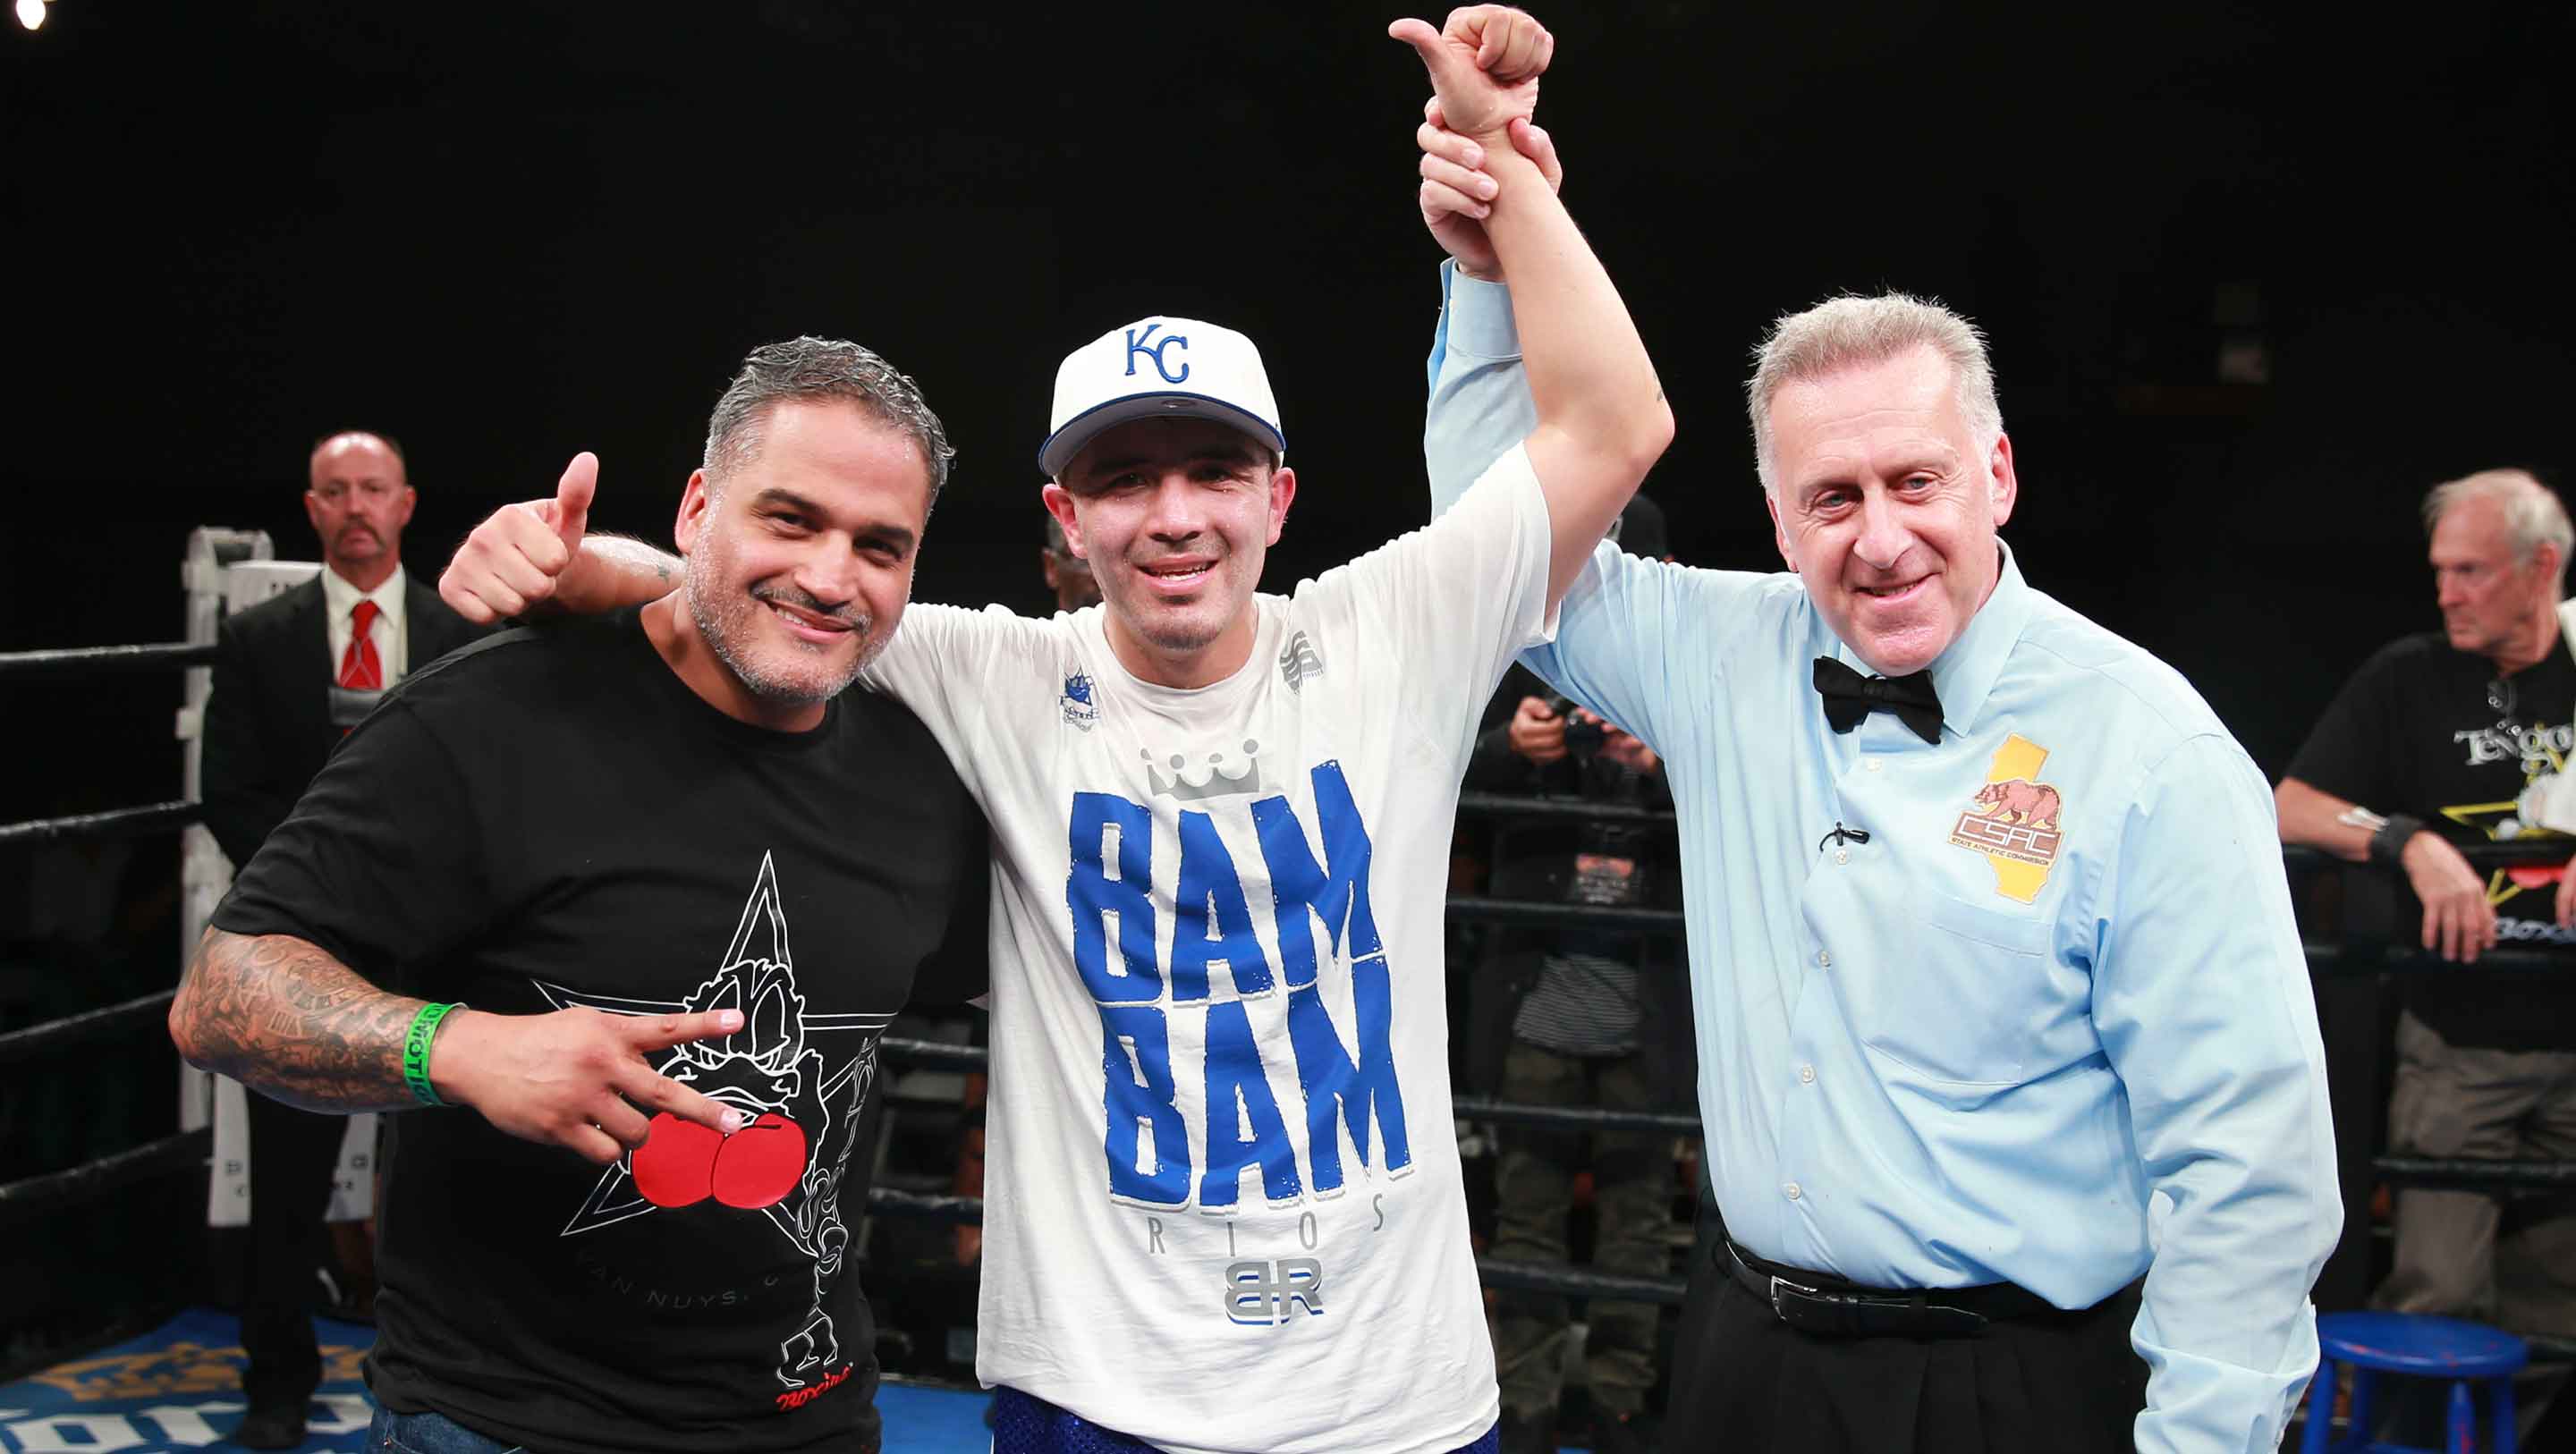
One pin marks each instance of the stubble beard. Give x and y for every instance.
(727, 620)
(1185, 631)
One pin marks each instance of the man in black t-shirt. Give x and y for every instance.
(628, 845)
(2432, 742)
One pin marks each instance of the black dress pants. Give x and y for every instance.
(293, 1155)
(1743, 1380)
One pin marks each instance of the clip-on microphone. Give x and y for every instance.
(1842, 834)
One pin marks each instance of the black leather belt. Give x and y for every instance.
(1813, 1303)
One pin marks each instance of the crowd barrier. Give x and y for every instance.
(229, 569)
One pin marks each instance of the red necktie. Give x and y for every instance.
(360, 669)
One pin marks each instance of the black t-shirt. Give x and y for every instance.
(2431, 731)
(551, 818)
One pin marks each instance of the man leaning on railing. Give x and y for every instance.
(2433, 742)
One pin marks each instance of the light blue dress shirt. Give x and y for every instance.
(2050, 1024)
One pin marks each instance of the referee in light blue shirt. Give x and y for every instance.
(2014, 1100)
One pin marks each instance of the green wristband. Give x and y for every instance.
(424, 1028)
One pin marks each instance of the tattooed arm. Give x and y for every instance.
(284, 1017)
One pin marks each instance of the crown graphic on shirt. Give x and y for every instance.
(1218, 776)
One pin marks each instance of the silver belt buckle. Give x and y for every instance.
(1778, 1283)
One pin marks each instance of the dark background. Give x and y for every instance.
(503, 233)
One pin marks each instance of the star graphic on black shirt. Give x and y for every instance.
(765, 1067)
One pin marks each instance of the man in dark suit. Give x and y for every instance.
(292, 675)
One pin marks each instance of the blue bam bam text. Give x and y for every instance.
(1109, 894)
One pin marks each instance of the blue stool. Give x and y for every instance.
(2422, 1347)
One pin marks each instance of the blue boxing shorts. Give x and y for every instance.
(1023, 1424)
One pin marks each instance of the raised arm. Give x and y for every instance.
(538, 553)
(1609, 639)
(282, 1016)
(1601, 419)
(1480, 404)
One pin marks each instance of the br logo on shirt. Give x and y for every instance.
(1152, 348)
(2013, 820)
(1266, 1294)
(1079, 710)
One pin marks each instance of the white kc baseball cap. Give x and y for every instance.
(1159, 368)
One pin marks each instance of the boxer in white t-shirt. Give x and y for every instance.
(1223, 1208)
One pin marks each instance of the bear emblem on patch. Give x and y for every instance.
(2019, 801)
(2015, 819)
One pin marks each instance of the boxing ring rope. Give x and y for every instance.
(216, 556)
(2453, 1173)
(70, 1030)
(1528, 914)
(42, 1195)
(91, 661)
(115, 823)
(1570, 810)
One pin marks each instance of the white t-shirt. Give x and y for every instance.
(1234, 894)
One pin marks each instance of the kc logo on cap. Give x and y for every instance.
(1159, 368)
(1137, 345)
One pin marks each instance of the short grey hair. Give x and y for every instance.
(1852, 332)
(808, 369)
(2533, 514)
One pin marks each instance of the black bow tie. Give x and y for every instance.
(1849, 696)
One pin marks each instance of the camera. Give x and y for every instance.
(1582, 738)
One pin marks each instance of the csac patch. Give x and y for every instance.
(2014, 820)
